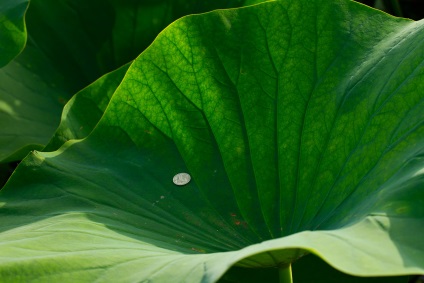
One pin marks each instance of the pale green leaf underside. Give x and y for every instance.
(300, 124)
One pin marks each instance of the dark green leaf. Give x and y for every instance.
(84, 110)
(12, 30)
(67, 49)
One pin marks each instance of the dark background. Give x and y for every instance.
(413, 9)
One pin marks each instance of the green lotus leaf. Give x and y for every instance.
(68, 48)
(12, 29)
(83, 111)
(301, 127)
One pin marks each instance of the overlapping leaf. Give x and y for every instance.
(12, 29)
(81, 114)
(300, 124)
(70, 44)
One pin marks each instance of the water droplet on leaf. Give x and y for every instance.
(181, 179)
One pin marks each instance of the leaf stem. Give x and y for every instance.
(285, 274)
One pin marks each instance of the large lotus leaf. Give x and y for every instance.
(300, 124)
(70, 44)
(12, 29)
